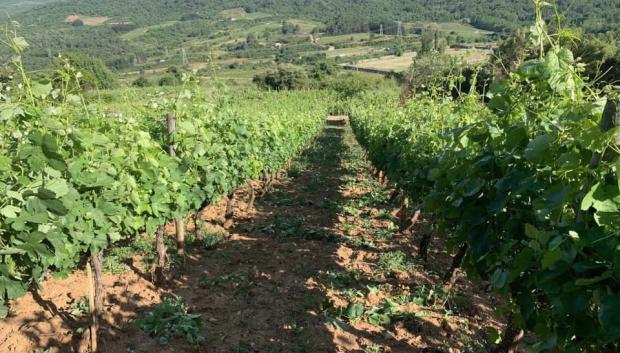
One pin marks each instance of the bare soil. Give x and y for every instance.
(88, 20)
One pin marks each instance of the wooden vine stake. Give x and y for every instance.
(159, 274)
(252, 197)
(511, 339)
(230, 203)
(179, 221)
(198, 220)
(97, 262)
(94, 320)
(425, 242)
(394, 195)
(263, 179)
(384, 181)
(400, 198)
(197, 223)
(230, 210)
(267, 178)
(180, 230)
(449, 277)
(402, 213)
(410, 223)
(264, 176)
(95, 298)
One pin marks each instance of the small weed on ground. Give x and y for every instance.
(282, 226)
(116, 259)
(235, 278)
(210, 240)
(381, 315)
(393, 261)
(80, 307)
(170, 320)
(342, 279)
(375, 348)
(359, 242)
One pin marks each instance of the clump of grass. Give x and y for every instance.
(116, 258)
(210, 240)
(296, 170)
(80, 307)
(374, 197)
(383, 234)
(349, 227)
(114, 264)
(170, 320)
(359, 242)
(234, 278)
(375, 348)
(393, 261)
(384, 214)
(343, 279)
(285, 227)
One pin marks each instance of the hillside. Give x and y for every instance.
(597, 15)
(129, 34)
(13, 6)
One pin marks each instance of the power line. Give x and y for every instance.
(386, 29)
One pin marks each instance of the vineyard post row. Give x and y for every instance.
(525, 187)
(75, 179)
(179, 222)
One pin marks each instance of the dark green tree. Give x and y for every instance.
(281, 79)
(322, 69)
(141, 82)
(398, 48)
(94, 73)
(427, 42)
(289, 28)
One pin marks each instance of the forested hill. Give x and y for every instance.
(13, 6)
(128, 33)
(497, 15)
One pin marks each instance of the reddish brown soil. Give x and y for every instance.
(278, 256)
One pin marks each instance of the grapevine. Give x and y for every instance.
(527, 188)
(75, 179)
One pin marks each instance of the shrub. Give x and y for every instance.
(281, 79)
(141, 82)
(168, 80)
(94, 72)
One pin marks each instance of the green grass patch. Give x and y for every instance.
(170, 320)
(139, 32)
(393, 261)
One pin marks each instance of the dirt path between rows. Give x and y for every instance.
(316, 266)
